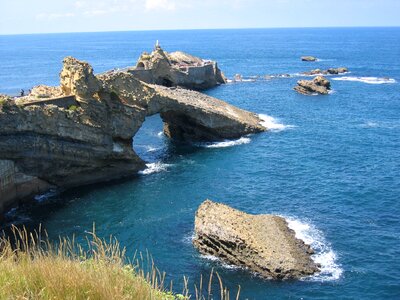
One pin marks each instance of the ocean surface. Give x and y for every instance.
(330, 164)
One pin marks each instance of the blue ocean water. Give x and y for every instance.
(331, 164)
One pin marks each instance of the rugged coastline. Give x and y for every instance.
(81, 132)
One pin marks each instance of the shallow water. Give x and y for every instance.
(331, 164)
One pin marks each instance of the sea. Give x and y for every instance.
(329, 164)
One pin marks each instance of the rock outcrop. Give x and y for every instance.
(331, 71)
(90, 139)
(309, 58)
(177, 69)
(319, 85)
(261, 243)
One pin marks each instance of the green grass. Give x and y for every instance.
(73, 108)
(31, 267)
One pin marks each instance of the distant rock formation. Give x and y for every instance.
(177, 69)
(261, 243)
(319, 85)
(81, 132)
(309, 58)
(331, 71)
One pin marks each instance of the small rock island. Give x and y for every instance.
(319, 85)
(260, 243)
(309, 58)
(177, 69)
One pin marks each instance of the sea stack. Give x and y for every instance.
(260, 243)
(177, 69)
(319, 85)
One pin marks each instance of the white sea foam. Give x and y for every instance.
(369, 80)
(324, 254)
(155, 168)
(273, 124)
(46, 196)
(152, 149)
(160, 134)
(226, 143)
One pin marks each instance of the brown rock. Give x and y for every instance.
(261, 243)
(177, 69)
(86, 135)
(319, 85)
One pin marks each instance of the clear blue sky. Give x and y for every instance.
(42, 16)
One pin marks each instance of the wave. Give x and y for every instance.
(272, 123)
(156, 167)
(226, 143)
(46, 196)
(324, 254)
(369, 80)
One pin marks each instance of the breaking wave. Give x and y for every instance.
(156, 167)
(273, 124)
(324, 254)
(47, 195)
(226, 143)
(369, 80)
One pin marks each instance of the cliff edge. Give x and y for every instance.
(81, 132)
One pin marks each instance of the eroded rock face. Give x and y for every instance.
(261, 243)
(319, 85)
(91, 140)
(177, 69)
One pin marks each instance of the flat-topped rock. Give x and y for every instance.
(261, 243)
(319, 85)
(309, 58)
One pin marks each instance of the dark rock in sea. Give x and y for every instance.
(260, 243)
(177, 69)
(309, 58)
(331, 71)
(81, 132)
(319, 85)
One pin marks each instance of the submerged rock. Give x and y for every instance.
(81, 132)
(261, 243)
(319, 85)
(309, 58)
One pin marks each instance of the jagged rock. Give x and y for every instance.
(319, 85)
(91, 140)
(177, 69)
(309, 58)
(261, 243)
(331, 71)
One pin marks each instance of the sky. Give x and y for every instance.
(50, 16)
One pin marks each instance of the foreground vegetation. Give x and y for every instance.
(33, 268)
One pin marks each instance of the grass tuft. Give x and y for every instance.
(31, 267)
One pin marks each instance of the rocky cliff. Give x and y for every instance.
(177, 69)
(90, 139)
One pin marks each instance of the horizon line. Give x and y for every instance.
(200, 29)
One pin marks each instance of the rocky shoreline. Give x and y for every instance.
(81, 132)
